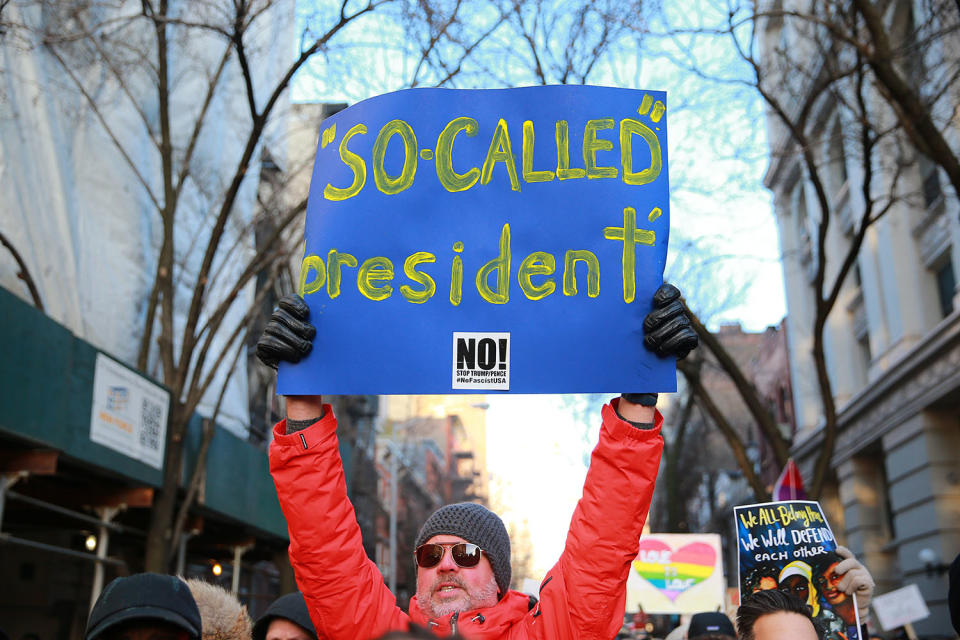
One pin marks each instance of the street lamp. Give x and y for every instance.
(932, 564)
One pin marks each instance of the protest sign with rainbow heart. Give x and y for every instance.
(676, 573)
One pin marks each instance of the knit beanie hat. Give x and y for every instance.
(478, 525)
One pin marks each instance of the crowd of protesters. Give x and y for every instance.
(150, 606)
(462, 551)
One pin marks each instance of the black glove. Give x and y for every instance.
(666, 329)
(288, 335)
(666, 332)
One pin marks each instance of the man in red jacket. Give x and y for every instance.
(463, 550)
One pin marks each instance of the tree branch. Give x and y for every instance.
(253, 139)
(745, 388)
(911, 111)
(23, 273)
(91, 103)
(705, 401)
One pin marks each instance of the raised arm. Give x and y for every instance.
(344, 591)
(584, 595)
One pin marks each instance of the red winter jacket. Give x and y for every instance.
(581, 598)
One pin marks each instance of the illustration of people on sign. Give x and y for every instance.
(789, 546)
(835, 599)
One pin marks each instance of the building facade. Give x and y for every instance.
(892, 340)
(81, 170)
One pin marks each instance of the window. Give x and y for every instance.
(861, 329)
(837, 158)
(887, 518)
(946, 286)
(912, 51)
(798, 201)
(863, 346)
(932, 192)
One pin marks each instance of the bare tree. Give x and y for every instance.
(568, 43)
(829, 66)
(905, 59)
(174, 72)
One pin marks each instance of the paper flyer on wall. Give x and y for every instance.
(789, 546)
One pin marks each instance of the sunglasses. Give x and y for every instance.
(465, 554)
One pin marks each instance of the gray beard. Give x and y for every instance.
(475, 599)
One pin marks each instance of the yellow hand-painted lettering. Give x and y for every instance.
(355, 163)
(395, 184)
(421, 278)
(592, 144)
(537, 263)
(376, 269)
(500, 151)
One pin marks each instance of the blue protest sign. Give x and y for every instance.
(486, 240)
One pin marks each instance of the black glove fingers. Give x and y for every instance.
(681, 343)
(666, 294)
(661, 339)
(288, 336)
(660, 315)
(295, 306)
(667, 330)
(296, 346)
(303, 330)
(271, 351)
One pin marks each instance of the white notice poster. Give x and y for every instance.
(898, 608)
(129, 412)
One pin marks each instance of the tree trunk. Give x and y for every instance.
(761, 414)
(825, 457)
(675, 507)
(705, 401)
(164, 505)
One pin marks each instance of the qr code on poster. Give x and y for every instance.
(150, 425)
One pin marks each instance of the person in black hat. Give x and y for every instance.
(145, 606)
(285, 619)
(711, 625)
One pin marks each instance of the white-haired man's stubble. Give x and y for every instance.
(476, 598)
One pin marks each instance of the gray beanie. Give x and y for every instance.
(477, 524)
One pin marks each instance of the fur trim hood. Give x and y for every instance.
(223, 617)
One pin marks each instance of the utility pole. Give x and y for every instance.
(103, 540)
(394, 470)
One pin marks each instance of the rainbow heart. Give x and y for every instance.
(673, 572)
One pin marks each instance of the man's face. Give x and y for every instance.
(447, 587)
(784, 624)
(282, 629)
(145, 630)
(830, 585)
(797, 586)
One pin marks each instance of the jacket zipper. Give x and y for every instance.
(453, 623)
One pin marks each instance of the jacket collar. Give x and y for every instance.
(488, 623)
